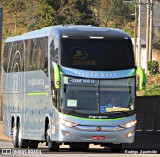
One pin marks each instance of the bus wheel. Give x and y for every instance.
(22, 143)
(116, 148)
(52, 146)
(79, 146)
(15, 135)
(33, 144)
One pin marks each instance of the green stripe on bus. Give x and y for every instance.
(57, 77)
(37, 93)
(95, 118)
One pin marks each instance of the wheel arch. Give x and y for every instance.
(18, 121)
(12, 121)
(47, 121)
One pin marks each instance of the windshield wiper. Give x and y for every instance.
(125, 112)
(81, 108)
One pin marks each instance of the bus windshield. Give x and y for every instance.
(97, 54)
(89, 96)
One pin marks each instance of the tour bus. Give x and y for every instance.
(58, 84)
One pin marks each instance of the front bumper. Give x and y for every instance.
(115, 135)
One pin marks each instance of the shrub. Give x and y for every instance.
(153, 67)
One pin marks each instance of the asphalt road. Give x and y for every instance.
(8, 151)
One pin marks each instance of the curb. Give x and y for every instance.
(5, 140)
(3, 137)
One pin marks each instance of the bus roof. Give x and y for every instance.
(73, 31)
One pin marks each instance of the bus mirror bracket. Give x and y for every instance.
(57, 78)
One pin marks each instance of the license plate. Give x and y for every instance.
(98, 137)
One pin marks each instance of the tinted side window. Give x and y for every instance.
(54, 46)
(13, 57)
(6, 54)
(27, 54)
(36, 56)
(17, 57)
(43, 57)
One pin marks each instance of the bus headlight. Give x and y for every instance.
(67, 123)
(130, 134)
(129, 124)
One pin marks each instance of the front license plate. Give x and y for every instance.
(98, 137)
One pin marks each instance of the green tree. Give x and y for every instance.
(53, 12)
(86, 9)
(35, 14)
(15, 8)
(157, 38)
(153, 67)
(45, 15)
(113, 13)
(29, 18)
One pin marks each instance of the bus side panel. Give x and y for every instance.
(10, 100)
(30, 101)
(12, 84)
(25, 90)
(37, 103)
(6, 115)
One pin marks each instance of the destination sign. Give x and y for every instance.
(81, 81)
(98, 74)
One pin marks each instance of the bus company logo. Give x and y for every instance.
(99, 74)
(79, 54)
(97, 117)
(80, 57)
(35, 82)
(98, 128)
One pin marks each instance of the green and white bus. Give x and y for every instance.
(57, 84)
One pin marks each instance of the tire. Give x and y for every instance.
(21, 142)
(116, 148)
(15, 136)
(33, 144)
(79, 146)
(52, 146)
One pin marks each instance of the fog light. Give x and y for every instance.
(65, 133)
(130, 134)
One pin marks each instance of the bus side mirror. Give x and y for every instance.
(142, 78)
(57, 77)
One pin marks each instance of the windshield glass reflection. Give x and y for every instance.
(97, 96)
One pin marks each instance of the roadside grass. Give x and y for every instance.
(152, 86)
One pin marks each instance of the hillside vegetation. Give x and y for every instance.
(27, 15)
